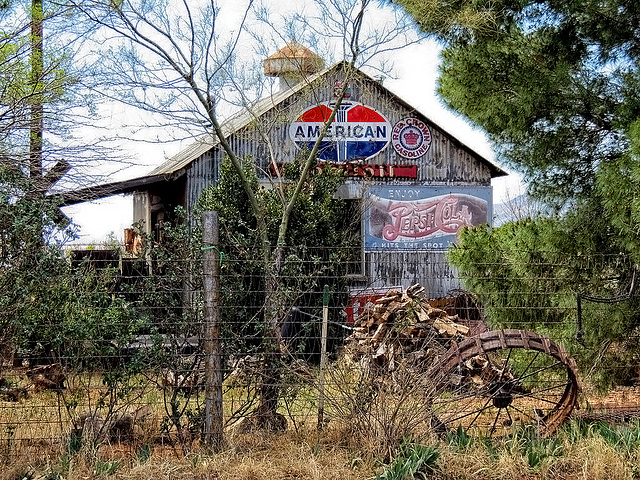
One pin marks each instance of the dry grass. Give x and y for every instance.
(352, 445)
(576, 453)
(568, 456)
(247, 457)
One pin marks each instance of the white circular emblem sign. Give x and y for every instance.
(411, 138)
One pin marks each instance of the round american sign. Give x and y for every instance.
(411, 138)
(357, 132)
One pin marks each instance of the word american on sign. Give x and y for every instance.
(358, 132)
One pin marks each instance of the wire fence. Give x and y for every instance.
(120, 362)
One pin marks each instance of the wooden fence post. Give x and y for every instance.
(213, 414)
(323, 355)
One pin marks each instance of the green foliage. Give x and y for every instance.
(535, 450)
(76, 317)
(414, 461)
(163, 286)
(51, 307)
(144, 453)
(169, 264)
(623, 437)
(617, 182)
(322, 245)
(528, 274)
(553, 83)
(56, 307)
(74, 442)
(64, 312)
(557, 87)
(107, 467)
(459, 440)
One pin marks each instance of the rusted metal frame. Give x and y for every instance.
(502, 339)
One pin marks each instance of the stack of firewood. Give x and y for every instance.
(404, 328)
(401, 325)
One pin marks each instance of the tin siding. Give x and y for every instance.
(446, 162)
(200, 173)
(430, 269)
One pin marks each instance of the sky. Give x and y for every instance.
(414, 79)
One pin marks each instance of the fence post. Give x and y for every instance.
(323, 355)
(213, 415)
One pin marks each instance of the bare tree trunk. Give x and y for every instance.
(269, 389)
(36, 126)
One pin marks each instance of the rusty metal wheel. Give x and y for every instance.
(489, 384)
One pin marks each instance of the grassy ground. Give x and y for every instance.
(247, 456)
(579, 451)
(349, 447)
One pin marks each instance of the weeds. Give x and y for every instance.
(459, 440)
(414, 462)
(629, 436)
(622, 438)
(144, 453)
(377, 409)
(606, 452)
(107, 467)
(534, 449)
(540, 450)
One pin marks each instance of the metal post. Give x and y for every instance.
(323, 355)
(213, 414)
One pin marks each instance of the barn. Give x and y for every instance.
(417, 183)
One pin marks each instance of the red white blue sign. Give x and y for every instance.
(358, 132)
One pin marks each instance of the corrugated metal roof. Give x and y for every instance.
(247, 115)
(199, 147)
(206, 142)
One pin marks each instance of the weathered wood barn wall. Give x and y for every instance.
(439, 166)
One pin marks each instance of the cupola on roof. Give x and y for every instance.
(293, 60)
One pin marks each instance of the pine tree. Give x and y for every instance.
(556, 86)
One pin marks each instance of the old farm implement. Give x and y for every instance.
(485, 384)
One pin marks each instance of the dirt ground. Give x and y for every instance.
(621, 404)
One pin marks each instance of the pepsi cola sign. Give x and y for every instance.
(357, 132)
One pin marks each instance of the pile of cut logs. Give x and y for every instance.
(403, 328)
(403, 325)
